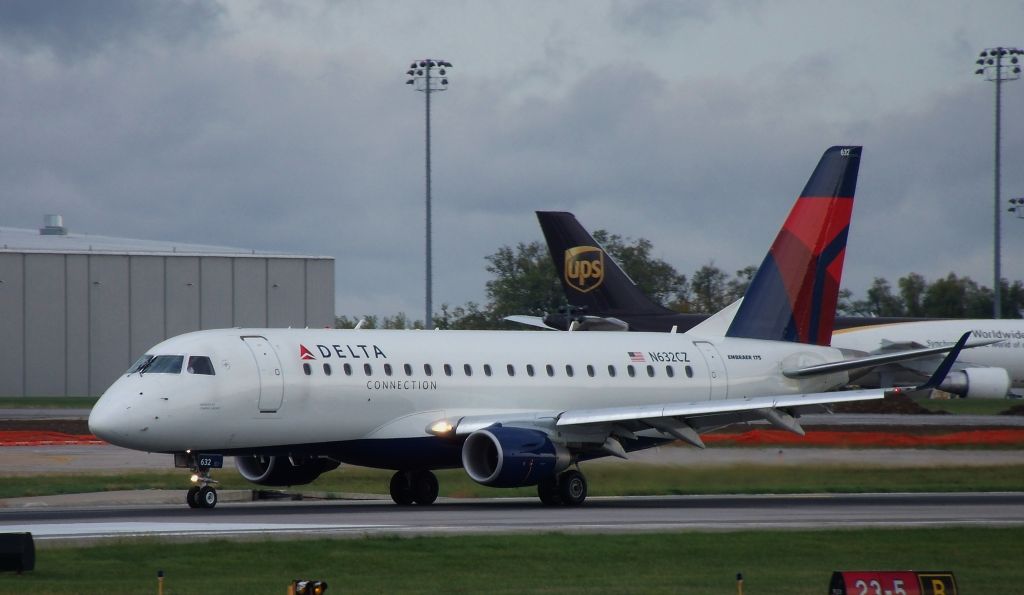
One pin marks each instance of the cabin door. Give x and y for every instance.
(271, 389)
(716, 370)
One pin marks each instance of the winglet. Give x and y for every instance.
(947, 363)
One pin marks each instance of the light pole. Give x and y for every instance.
(1017, 207)
(998, 65)
(422, 79)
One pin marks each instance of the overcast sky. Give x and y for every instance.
(288, 126)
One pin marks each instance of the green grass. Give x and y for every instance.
(605, 480)
(791, 562)
(47, 402)
(970, 406)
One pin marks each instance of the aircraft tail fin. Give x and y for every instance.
(793, 296)
(591, 279)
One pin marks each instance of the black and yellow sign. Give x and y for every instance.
(584, 268)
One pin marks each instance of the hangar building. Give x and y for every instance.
(76, 310)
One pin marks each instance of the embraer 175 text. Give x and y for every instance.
(511, 408)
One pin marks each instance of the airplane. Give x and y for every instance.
(512, 408)
(603, 297)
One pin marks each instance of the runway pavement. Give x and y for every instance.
(106, 458)
(84, 519)
(517, 515)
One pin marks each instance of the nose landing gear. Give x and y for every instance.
(202, 494)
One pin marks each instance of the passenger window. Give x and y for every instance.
(689, 372)
(611, 371)
(447, 370)
(367, 369)
(467, 369)
(550, 369)
(590, 370)
(529, 369)
(650, 371)
(307, 369)
(631, 370)
(387, 369)
(200, 364)
(510, 369)
(487, 369)
(327, 369)
(408, 369)
(428, 370)
(348, 369)
(568, 370)
(670, 371)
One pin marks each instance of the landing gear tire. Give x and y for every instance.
(572, 488)
(190, 497)
(424, 487)
(401, 488)
(206, 497)
(547, 490)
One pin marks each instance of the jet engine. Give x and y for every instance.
(271, 470)
(978, 383)
(505, 457)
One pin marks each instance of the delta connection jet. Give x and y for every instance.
(603, 297)
(512, 408)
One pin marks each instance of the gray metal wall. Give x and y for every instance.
(71, 323)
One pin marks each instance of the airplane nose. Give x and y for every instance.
(106, 420)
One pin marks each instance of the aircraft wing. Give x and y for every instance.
(535, 321)
(582, 323)
(605, 429)
(879, 359)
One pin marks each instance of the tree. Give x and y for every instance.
(656, 278)
(524, 282)
(708, 289)
(880, 301)
(912, 289)
(738, 286)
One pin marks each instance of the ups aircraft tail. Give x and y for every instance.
(590, 278)
(793, 295)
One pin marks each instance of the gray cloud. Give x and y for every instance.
(75, 29)
(257, 143)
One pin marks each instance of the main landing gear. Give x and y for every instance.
(419, 487)
(566, 489)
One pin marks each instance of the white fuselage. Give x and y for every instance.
(386, 384)
(1008, 354)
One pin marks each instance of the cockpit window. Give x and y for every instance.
(163, 364)
(200, 364)
(139, 363)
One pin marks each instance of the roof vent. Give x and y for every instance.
(54, 226)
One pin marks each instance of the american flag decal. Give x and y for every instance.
(637, 356)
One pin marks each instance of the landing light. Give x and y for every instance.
(441, 428)
(194, 478)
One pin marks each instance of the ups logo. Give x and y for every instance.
(584, 268)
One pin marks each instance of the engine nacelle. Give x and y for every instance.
(270, 470)
(503, 457)
(978, 383)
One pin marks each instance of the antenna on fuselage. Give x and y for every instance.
(360, 324)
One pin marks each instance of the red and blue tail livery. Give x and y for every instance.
(793, 295)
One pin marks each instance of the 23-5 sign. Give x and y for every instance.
(893, 583)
